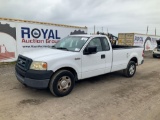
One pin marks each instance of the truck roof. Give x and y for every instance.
(87, 35)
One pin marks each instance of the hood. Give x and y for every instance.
(45, 53)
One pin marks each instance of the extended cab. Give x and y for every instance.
(74, 58)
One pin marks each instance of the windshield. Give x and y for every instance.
(71, 43)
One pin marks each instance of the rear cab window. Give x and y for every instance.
(105, 44)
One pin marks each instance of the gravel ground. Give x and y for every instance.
(106, 97)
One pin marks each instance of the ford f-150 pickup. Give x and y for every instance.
(73, 58)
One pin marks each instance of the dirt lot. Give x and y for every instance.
(107, 97)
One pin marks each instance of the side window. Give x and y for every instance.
(105, 44)
(96, 42)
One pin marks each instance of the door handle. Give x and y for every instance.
(102, 56)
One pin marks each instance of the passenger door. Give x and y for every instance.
(94, 64)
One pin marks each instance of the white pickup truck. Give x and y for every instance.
(75, 57)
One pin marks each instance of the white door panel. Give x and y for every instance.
(120, 59)
(100, 62)
(93, 64)
(108, 61)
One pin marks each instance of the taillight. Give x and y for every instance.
(143, 53)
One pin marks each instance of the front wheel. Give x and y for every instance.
(62, 83)
(130, 70)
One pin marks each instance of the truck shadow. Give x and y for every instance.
(45, 93)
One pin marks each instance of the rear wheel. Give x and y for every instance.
(130, 70)
(62, 83)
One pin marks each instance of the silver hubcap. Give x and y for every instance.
(64, 83)
(131, 69)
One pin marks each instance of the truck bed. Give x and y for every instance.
(115, 47)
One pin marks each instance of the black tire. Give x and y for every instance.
(62, 83)
(154, 56)
(130, 70)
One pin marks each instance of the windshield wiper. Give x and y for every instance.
(62, 48)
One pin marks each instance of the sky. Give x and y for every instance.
(113, 16)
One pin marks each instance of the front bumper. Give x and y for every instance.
(156, 54)
(34, 78)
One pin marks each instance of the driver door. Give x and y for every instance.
(93, 64)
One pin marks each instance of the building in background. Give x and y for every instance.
(135, 39)
(18, 36)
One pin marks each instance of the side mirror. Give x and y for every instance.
(90, 50)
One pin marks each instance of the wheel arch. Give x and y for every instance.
(134, 59)
(69, 69)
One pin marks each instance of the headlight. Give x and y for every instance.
(36, 65)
